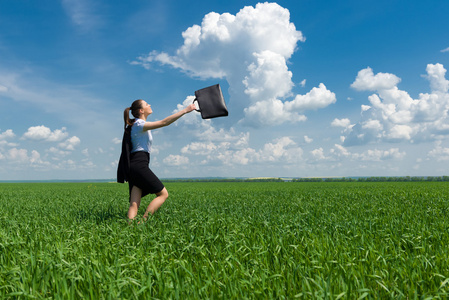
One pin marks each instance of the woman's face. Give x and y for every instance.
(146, 108)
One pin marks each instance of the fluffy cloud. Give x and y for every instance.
(19, 157)
(318, 97)
(270, 112)
(116, 141)
(70, 143)
(374, 155)
(269, 73)
(439, 153)
(7, 134)
(379, 155)
(280, 150)
(201, 148)
(22, 158)
(307, 139)
(318, 154)
(227, 147)
(341, 123)
(394, 116)
(436, 75)
(176, 160)
(42, 133)
(367, 81)
(56, 153)
(251, 51)
(203, 130)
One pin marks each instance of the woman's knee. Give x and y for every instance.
(163, 193)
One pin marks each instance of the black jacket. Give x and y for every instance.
(124, 162)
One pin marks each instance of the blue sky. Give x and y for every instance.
(313, 88)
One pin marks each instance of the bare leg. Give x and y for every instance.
(156, 203)
(136, 196)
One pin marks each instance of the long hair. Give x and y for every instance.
(134, 111)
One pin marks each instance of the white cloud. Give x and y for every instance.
(268, 76)
(439, 153)
(251, 51)
(317, 98)
(341, 152)
(35, 157)
(270, 112)
(176, 160)
(318, 154)
(400, 132)
(275, 112)
(3, 88)
(341, 122)
(70, 143)
(7, 134)
(367, 81)
(208, 49)
(204, 130)
(19, 157)
(239, 157)
(436, 75)
(394, 116)
(283, 149)
(42, 133)
(445, 50)
(307, 139)
(372, 124)
(365, 107)
(226, 147)
(199, 148)
(57, 153)
(379, 155)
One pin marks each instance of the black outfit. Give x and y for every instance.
(124, 162)
(133, 167)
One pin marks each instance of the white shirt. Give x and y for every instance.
(140, 140)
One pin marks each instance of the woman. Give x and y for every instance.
(141, 179)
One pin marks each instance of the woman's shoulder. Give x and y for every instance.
(138, 123)
(137, 127)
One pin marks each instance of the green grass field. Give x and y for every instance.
(226, 240)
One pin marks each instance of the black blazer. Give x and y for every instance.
(124, 162)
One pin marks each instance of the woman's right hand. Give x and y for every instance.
(190, 108)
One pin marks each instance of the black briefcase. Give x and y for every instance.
(211, 102)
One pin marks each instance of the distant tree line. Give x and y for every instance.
(374, 179)
(316, 179)
(224, 180)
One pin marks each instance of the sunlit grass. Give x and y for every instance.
(226, 240)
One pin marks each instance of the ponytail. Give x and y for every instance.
(128, 121)
(134, 111)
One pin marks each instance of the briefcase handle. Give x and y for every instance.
(198, 110)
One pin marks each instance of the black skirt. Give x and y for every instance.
(141, 175)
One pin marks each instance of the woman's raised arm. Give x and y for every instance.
(168, 120)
